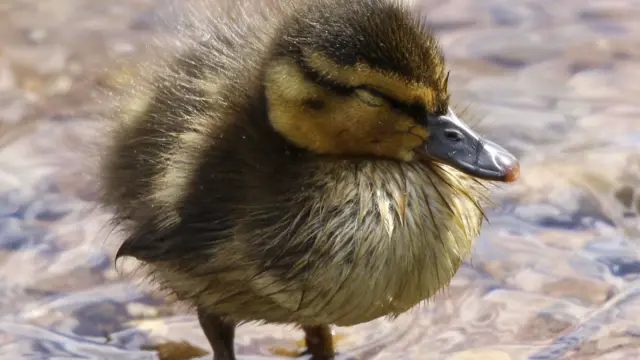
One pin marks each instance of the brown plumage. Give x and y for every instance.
(301, 166)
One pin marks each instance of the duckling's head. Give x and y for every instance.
(367, 78)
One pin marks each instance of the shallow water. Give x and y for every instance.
(555, 275)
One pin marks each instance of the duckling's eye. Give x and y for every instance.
(369, 98)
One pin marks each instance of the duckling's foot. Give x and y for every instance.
(319, 342)
(220, 335)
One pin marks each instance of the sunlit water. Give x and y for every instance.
(554, 275)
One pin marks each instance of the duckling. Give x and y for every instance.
(306, 169)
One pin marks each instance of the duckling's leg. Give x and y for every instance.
(220, 335)
(319, 342)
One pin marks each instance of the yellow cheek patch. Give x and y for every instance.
(388, 83)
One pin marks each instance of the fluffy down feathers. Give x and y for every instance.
(232, 217)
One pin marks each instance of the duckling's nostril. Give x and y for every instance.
(453, 135)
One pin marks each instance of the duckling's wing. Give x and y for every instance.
(152, 242)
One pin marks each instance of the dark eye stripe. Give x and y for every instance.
(416, 111)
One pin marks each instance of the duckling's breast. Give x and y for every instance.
(381, 236)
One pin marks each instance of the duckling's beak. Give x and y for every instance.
(452, 142)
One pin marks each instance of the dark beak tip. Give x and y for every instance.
(512, 173)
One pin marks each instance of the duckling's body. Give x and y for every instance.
(259, 192)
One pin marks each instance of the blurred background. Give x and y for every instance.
(554, 275)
